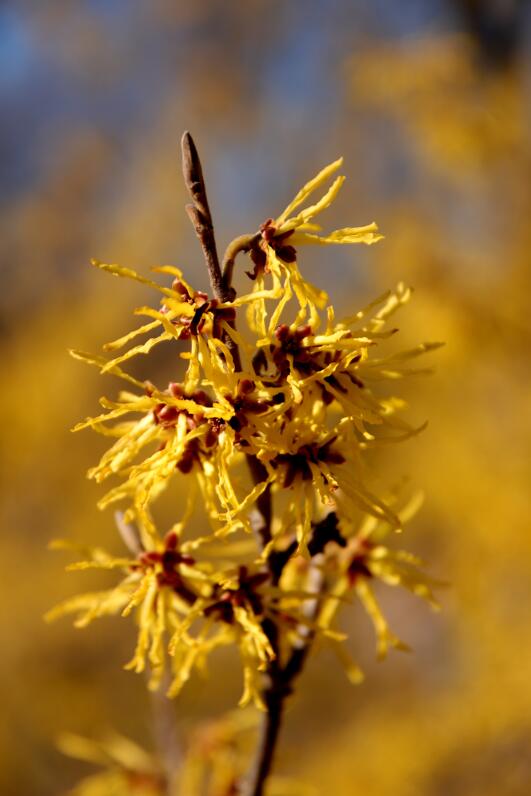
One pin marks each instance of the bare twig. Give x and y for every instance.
(201, 218)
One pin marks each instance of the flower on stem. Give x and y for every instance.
(182, 608)
(298, 398)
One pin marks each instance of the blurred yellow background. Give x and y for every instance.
(429, 104)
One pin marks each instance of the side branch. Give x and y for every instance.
(244, 243)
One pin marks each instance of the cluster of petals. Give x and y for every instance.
(304, 404)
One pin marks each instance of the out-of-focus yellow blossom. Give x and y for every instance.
(127, 768)
(214, 758)
(217, 756)
(461, 117)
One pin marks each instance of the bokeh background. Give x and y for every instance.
(428, 100)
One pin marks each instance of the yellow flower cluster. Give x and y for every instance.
(298, 404)
(214, 758)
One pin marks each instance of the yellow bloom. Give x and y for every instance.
(276, 252)
(295, 398)
(183, 609)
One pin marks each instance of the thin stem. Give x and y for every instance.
(244, 243)
(269, 732)
(280, 688)
(281, 681)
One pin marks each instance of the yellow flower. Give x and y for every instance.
(297, 396)
(276, 252)
(172, 595)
